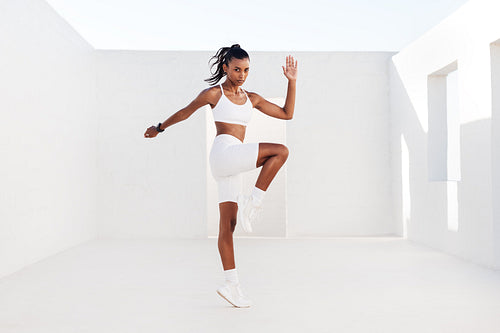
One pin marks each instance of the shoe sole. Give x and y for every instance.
(244, 306)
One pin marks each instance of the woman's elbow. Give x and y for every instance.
(288, 114)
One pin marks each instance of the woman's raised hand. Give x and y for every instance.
(151, 132)
(290, 70)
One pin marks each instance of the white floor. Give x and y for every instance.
(306, 285)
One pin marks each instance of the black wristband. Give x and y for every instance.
(158, 128)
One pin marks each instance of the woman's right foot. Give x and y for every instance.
(233, 294)
(243, 206)
(248, 212)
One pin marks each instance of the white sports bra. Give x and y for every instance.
(229, 112)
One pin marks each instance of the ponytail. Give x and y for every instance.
(224, 56)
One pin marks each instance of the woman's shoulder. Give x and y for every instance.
(212, 94)
(213, 90)
(252, 95)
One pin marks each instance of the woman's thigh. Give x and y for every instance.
(229, 188)
(234, 159)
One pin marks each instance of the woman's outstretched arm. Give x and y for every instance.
(204, 98)
(273, 110)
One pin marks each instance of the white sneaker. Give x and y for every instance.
(247, 212)
(243, 206)
(234, 295)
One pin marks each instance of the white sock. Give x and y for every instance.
(231, 276)
(258, 196)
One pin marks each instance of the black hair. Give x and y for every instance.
(224, 56)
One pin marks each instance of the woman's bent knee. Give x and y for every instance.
(284, 151)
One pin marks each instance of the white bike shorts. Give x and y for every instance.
(229, 157)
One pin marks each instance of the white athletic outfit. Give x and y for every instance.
(229, 157)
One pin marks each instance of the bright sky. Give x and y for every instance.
(257, 25)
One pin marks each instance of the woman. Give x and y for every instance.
(229, 157)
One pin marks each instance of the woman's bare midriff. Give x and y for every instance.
(235, 130)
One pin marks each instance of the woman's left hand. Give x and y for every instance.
(290, 70)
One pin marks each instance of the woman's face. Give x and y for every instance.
(237, 71)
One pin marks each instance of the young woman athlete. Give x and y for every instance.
(229, 157)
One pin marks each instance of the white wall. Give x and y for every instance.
(154, 187)
(77, 165)
(48, 135)
(495, 140)
(463, 38)
(338, 172)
